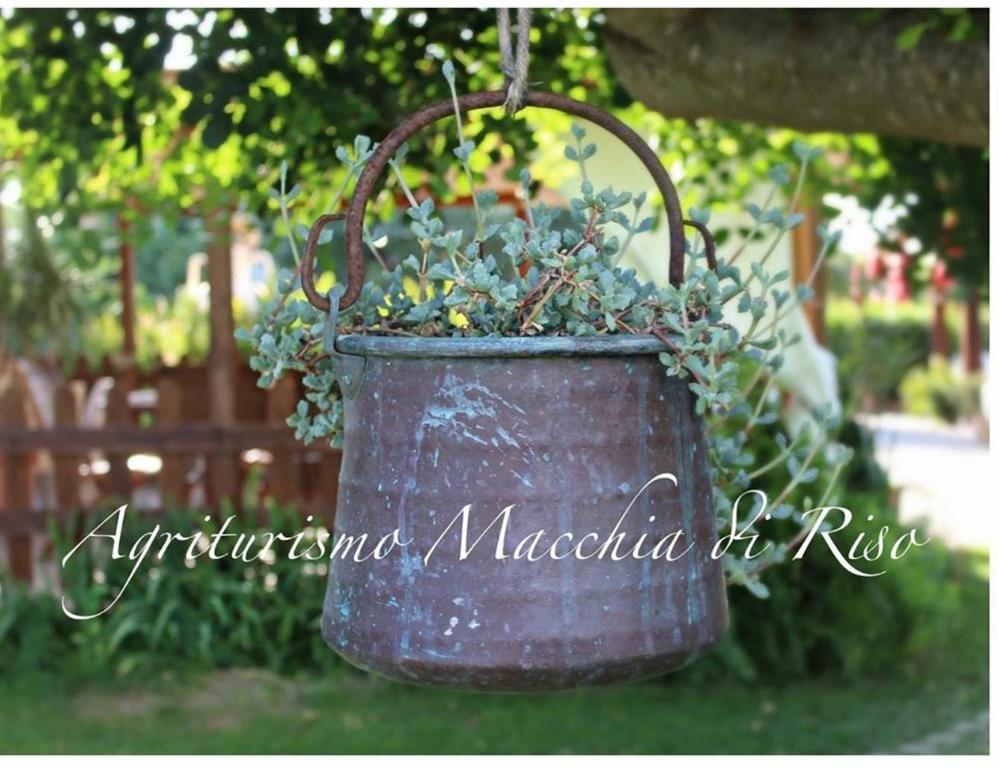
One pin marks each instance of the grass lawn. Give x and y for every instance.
(943, 708)
(252, 711)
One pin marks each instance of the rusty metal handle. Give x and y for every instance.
(309, 259)
(468, 103)
(709, 242)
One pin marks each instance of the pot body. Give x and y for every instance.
(487, 446)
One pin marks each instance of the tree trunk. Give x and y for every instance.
(814, 70)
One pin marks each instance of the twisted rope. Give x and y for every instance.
(514, 68)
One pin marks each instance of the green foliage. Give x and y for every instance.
(35, 295)
(260, 84)
(216, 613)
(162, 248)
(959, 24)
(936, 389)
(258, 88)
(819, 619)
(946, 208)
(224, 613)
(33, 631)
(874, 349)
(60, 292)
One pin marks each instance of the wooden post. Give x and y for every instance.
(805, 248)
(939, 339)
(3, 236)
(222, 357)
(169, 412)
(15, 473)
(126, 364)
(971, 339)
(68, 400)
(107, 367)
(117, 414)
(283, 476)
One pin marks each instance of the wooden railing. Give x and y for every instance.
(49, 472)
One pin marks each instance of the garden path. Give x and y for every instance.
(942, 471)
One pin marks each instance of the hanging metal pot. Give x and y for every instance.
(585, 440)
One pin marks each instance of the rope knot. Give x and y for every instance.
(514, 68)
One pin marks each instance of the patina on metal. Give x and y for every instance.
(573, 443)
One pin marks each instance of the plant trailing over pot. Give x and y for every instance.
(553, 306)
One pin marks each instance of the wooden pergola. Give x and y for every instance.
(222, 357)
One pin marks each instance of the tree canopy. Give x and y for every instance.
(87, 90)
(158, 110)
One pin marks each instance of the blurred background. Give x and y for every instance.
(139, 151)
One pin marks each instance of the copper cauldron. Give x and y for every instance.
(570, 443)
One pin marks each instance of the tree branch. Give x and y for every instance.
(814, 70)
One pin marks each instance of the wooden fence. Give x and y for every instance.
(156, 448)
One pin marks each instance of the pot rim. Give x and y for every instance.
(501, 346)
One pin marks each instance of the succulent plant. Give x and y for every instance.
(557, 273)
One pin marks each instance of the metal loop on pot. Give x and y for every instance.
(309, 262)
(709, 242)
(468, 103)
(329, 326)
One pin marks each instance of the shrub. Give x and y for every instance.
(224, 613)
(874, 351)
(936, 389)
(217, 613)
(821, 619)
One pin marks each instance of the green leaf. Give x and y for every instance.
(780, 175)
(909, 37)
(700, 215)
(804, 151)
